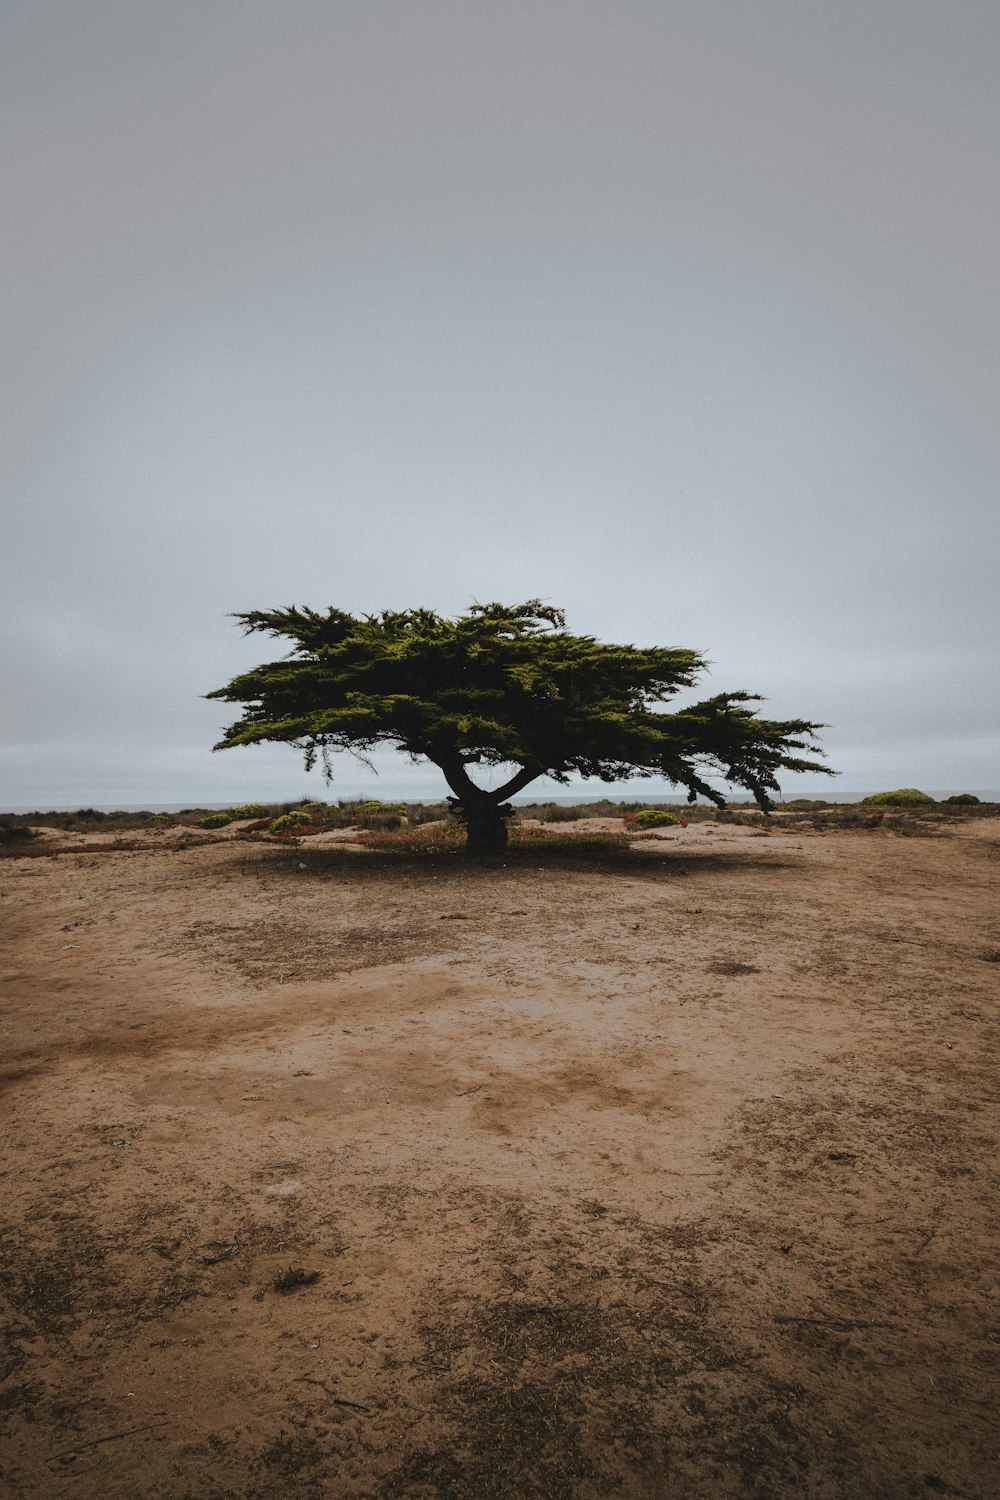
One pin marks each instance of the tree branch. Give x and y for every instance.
(517, 783)
(456, 776)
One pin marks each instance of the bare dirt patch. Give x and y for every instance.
(664, 1172)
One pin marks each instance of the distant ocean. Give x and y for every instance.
(387, 794)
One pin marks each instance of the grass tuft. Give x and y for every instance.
(293, 1279)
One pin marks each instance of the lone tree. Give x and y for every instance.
(503, 685)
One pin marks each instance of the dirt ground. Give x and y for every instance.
(665, 1173)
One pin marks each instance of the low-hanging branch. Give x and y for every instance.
(504, 685)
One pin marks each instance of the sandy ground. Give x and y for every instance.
(665, 1175)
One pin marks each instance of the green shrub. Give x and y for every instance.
(654, 817)
(963, 799)
(382, 817)
(158, 820)
(553, 812)
(291, 822)
(367, 812)
(215, 820)
(248, 810)
(847, 817)
(385, 821)
(316, 811)
(805, 804)
(608, 809)
(12, 833)
(425, 812)
(906, 796)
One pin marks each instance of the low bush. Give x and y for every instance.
(426, 812)
(12, 833)
(565, 812)
(963, 799)
(654, 817)
(444, 837)
(380, 817)
(535, 843)
(548, 812)
(906, 796)
(805, 804)
(742, 817)
(215, 820)
(363, 812)
(384, 822)
(849, 817)
(292, 822)
(83, 820)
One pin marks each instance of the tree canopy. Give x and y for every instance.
(504, 685)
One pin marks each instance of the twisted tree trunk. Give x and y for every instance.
(485, 814)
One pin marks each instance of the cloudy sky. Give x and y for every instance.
(682, 314)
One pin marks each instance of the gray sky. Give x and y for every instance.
(680, 314)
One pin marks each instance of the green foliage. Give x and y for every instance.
(503, 686)
(291, 822)
(654, 817)
(316, 811)
(385, 821)
(906, 796)
(554, 812)
(87, 820)
(13, 833)
(255, 810)
(805, 804)
(963, 799)
(383, 816)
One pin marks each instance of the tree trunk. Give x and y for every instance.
(485, 814)
(486, 827)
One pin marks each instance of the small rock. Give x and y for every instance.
(284, 1189)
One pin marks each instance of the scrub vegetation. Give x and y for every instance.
(906, 796)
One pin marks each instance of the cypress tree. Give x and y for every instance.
(503, 685)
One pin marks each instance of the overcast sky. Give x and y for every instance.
(682, 315)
